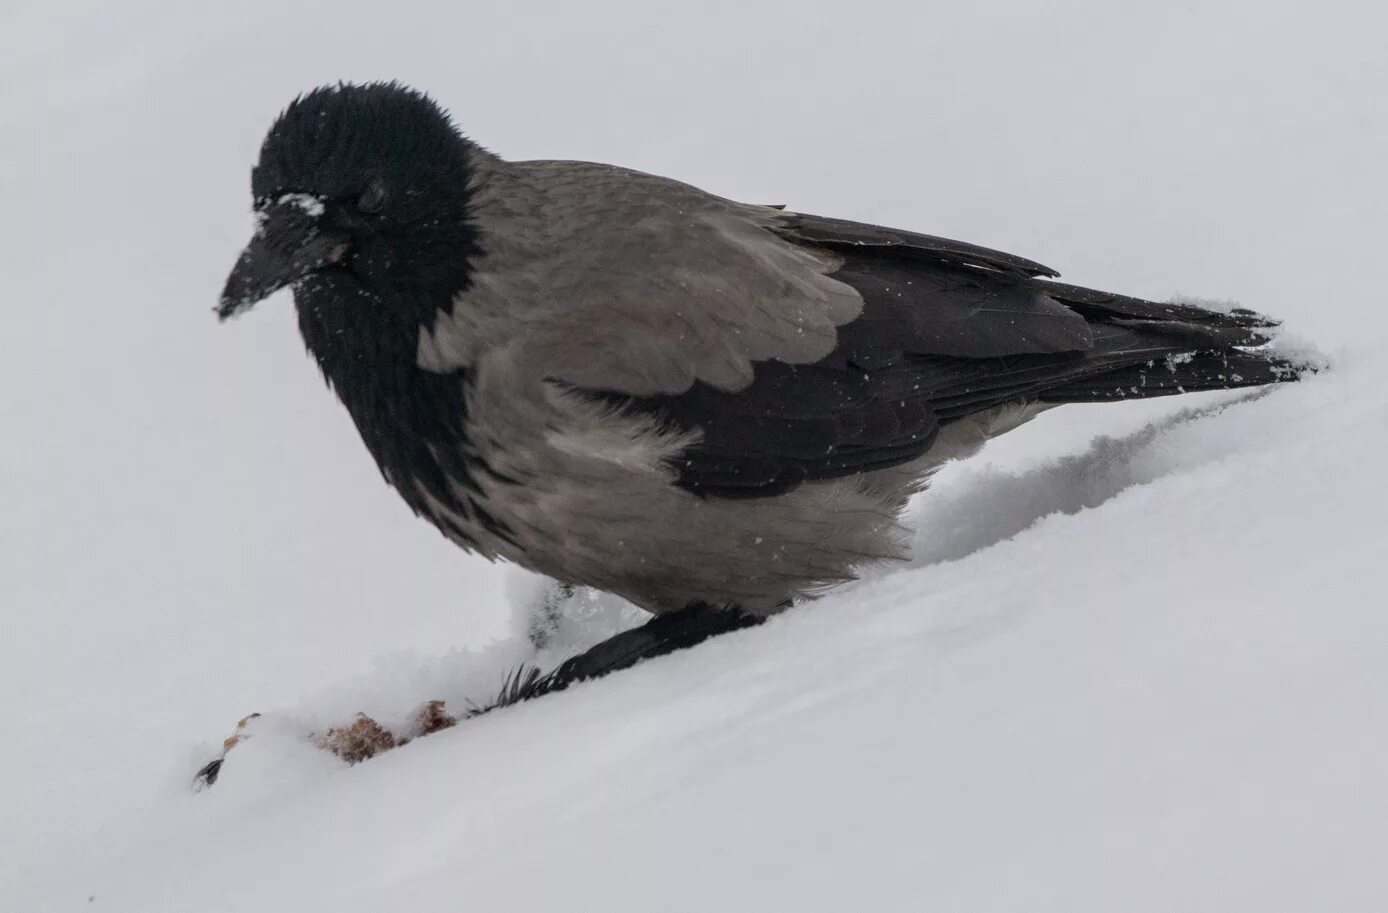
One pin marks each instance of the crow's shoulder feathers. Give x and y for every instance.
(625, 281)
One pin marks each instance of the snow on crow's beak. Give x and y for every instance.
(289, 244)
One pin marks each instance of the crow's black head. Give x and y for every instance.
(361, 192)
(362, 205)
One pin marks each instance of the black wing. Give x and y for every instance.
(948, 329)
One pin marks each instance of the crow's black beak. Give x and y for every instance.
(289, 245)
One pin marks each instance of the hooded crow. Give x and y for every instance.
(623, 382)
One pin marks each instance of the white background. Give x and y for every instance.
(1172, 699)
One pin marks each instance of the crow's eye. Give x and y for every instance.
(373, 198)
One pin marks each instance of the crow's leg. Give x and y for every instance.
(665, 633)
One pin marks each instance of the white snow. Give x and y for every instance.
(1140, 661)
(307, 203)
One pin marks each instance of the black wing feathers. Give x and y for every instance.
(947, 330)
(942, 309)
(793, 423)
(840, 234)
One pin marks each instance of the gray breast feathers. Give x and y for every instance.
(617, 280)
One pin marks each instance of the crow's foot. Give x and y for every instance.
(355, 742)
(365, 738)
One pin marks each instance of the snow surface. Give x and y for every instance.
(1140, 661)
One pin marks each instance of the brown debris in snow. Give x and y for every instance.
(361, 739)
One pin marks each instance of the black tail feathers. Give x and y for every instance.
(1180, 372)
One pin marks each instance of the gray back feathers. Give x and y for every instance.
(622, 281)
